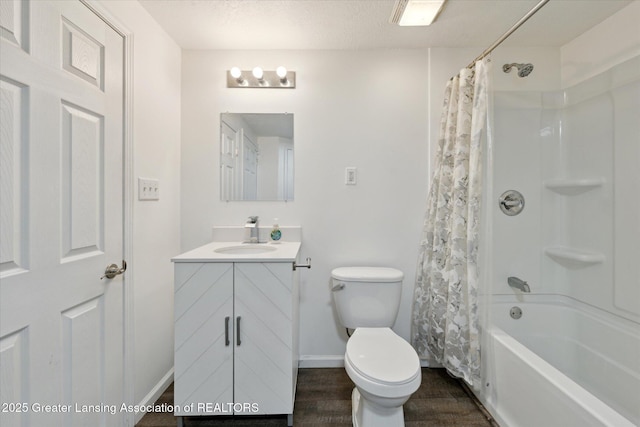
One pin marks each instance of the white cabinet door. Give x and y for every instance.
(203, 335)
(61, 210)
(263, 371)
(234, 338)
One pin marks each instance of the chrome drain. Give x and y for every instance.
(515, 312)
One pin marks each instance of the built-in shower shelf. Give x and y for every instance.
(573, 187)
(573, 257)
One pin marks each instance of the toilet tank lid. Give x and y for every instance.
(367, 274)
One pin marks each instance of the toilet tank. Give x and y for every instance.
(366, 296)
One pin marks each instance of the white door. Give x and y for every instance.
(228, 159)
(61, 133)
(249, 168)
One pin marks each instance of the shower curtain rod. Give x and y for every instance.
(509, 32)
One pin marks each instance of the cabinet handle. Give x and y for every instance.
(226, 331)
(238, 331)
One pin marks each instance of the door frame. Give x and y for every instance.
(128, 195)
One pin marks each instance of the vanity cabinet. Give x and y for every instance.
(236, 338)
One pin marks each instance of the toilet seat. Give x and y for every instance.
(383, 363)
(367, 274)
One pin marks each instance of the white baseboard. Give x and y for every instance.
(155, 393)
(321, 361)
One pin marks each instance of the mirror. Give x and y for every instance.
(256, 156)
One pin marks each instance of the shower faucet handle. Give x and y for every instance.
(511, 202)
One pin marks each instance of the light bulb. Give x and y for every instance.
(258, 73)
(235, 72)
(281, 72)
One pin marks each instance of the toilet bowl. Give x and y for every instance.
(383, 366)
(386, 372)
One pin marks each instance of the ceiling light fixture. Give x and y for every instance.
(408, 13)
(281, 78)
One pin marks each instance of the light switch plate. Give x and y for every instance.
(351, 176)
(148, 189)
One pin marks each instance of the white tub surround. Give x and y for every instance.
(584, 361)
(571, 359)
(549, 398)
(574, 155)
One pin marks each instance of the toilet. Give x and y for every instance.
(383, 366)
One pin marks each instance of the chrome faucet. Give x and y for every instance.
(251, 230)
(516, 283)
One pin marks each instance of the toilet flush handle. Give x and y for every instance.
(307, 265)
(338, 287)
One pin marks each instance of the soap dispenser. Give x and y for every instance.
(276, 234)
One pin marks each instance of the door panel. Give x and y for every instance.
(228, 160)
(61, 71)
(249, 169)
(203, 359)
(83, 349)
(14, 23)
(82, 187)
(262, 370)
(13, 222)
(14, 387)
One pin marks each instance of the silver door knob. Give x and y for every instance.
(113, 270)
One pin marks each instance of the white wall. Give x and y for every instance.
(156, 227)
(376, 110)
(611, 42)
(366, 109)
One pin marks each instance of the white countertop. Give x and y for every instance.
(283, 252)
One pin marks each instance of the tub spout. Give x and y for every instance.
(516, 283)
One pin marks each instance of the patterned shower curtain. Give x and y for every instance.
(445, 312)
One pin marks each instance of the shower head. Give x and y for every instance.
(523, 69)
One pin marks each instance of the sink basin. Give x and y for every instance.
(245, 249)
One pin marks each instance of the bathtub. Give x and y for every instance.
(562, 364)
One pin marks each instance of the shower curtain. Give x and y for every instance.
(445, 311)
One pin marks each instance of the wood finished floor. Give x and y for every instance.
(323, 398)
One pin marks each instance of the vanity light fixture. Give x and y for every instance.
(411, 13)
(281, 78)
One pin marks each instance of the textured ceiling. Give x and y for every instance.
(363, 24)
